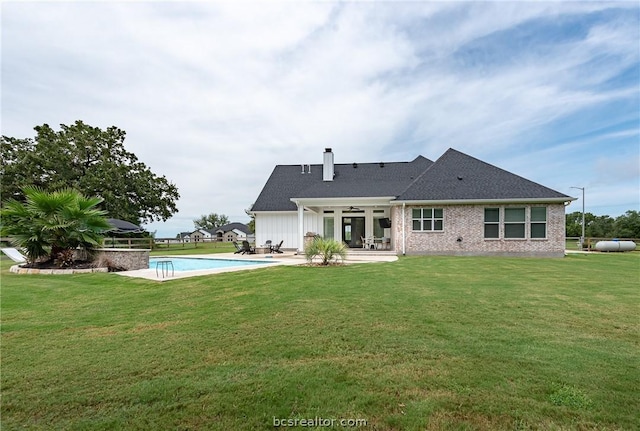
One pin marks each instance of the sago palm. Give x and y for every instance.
(54, 224)
(328, 250)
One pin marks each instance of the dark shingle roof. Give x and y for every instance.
(454, 176)
(365, 180)
(231, 226)
(457, 176)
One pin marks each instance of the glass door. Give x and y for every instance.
(353, 231)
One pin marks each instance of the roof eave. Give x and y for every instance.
(484, 201)
(272, 212)
(344, 201)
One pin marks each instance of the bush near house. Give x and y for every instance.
(327, 250)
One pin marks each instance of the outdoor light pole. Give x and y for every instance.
(582, 237)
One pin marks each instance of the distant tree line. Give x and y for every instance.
(215, 220)
(624, 226)
(210, 221)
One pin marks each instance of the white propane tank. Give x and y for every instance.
(615, 246)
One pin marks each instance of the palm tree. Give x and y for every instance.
(54, 224)
(328, 250)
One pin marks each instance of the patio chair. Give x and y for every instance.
(238, 247)
(276, 248)
(367, 243)
(247, 249)
(14, 254)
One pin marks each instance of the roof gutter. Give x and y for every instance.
(344, 201)
(484, 201)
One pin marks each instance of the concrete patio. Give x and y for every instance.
(286, 258)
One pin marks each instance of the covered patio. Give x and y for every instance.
(361, 223)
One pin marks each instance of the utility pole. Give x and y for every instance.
(582, 237)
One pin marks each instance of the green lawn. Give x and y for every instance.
(436, 343)
(194, 248)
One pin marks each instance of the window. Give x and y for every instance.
(378, 230)
(538, 222)
(492, 222)
(427, 219)
(514, 222)
(328, 227)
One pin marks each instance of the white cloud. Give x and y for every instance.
(213, 95)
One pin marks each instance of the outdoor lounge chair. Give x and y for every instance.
(238, 247)
(276, 248)
(247, 249)
(14, 255)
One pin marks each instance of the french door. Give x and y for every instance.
(353, 231)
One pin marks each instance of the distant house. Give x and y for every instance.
(185, 236)
(232, 232)
(227, 233)
(456, 205)
(200, 235)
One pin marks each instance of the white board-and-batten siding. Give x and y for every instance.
(283, 226)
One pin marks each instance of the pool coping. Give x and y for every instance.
(275, 260)
(150, 273)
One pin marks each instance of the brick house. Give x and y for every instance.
(226, 233)
(232, 232)
(457, 205)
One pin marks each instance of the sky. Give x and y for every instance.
(214, 95)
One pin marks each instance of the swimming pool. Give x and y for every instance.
(195, 264)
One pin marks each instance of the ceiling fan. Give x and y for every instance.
(354, 208)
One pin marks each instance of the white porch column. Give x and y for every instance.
(404, 250)
(300, 227)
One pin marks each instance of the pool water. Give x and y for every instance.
(194, 264)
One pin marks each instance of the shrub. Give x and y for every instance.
(53, 224)
(328, 250)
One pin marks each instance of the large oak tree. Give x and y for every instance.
(91, 160)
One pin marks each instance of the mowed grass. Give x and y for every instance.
(194, 248)
(436, 343)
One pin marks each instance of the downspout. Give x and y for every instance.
(404, 251)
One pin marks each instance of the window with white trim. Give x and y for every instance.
(328, 225)
(427, 219)
(492, 222)
(538, 226)
(514, 223)
(378, 231)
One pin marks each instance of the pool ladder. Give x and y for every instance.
(163, 266)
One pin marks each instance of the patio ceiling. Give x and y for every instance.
(317, 204)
